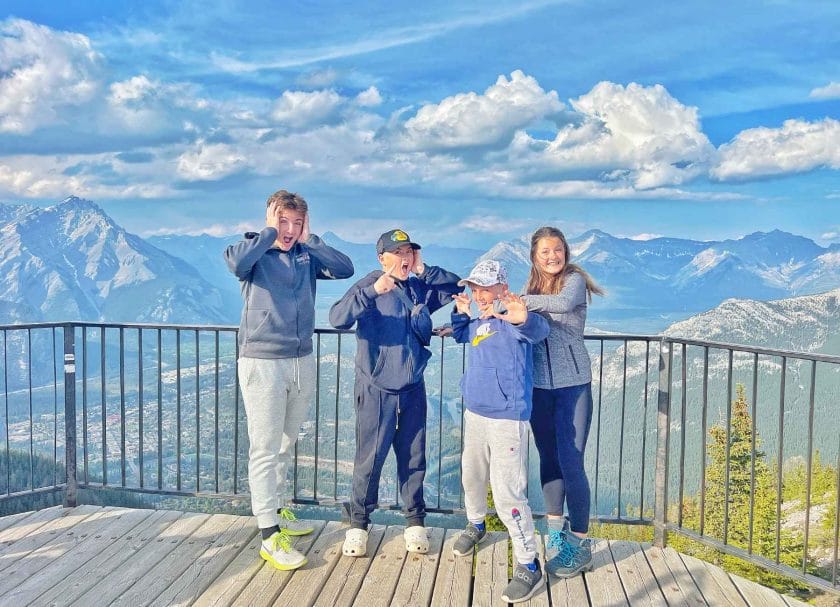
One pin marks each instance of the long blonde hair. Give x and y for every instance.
(542, 283)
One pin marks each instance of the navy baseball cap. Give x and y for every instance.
(392, 240)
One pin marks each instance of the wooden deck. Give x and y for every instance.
(91, 555)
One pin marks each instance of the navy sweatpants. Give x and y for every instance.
(560, 421)
(385, 420)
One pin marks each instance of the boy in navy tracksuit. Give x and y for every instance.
(497, 386)
(392, 313)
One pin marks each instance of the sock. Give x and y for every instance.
(532, 566)
(479, 526)
(269, 531)
(555, 524)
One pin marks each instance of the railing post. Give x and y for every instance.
(70, 414)
(663, 421)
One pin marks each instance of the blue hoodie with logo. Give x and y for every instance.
(498, 380)
(393, 329)
(278, 289)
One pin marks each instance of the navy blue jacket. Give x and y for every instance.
(498, 380)
(391, 340)
(278, 289)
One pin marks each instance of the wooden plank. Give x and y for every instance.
(491, 570)
(756, 595)
(307, 582)
(603, 582)
(381, 580)
(454, 576)
(176, 562)
(569, 592)
(666, 580)
(636, 576)
(13, 552)
(418, 574)
(53, 563)
(150, 554)
(26, 522)
(689, 589)
(342, 586)
(230, 582)
(709, 584)
(12, 519)
(268, 582)
(119, 550)
(189, 585)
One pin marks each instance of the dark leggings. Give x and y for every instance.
(560, 422)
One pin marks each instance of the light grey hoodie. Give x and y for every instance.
(562, 360)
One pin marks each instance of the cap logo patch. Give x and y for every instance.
(399, 236)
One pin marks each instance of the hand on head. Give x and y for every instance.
(272, 216)
(304, 232)
(418, 266)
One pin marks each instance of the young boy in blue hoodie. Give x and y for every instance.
(392, 313)
(497, 386)
(277, 268)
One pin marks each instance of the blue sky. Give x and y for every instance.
(465, 123)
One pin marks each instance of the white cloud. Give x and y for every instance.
(145, 105)
(636, 135)
(469, 119)
(829, 91)
(492, 224)
(796, 147)
(299, 109)
(210, 161)
(645, 236)
(42, 73)
(319, 78)
(216, 229)
(369, 97)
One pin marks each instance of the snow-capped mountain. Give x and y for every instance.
(678, 277)
(71, 261)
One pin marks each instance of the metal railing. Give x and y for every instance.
(158, 412)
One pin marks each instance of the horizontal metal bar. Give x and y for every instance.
(827, 358)
(4, 497)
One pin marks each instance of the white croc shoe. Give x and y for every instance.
(416, 539)
(355, 542)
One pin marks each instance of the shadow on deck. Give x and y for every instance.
(92, 555)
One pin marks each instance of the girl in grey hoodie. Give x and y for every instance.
(562, 403)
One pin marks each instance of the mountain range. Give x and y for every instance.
(72, 261)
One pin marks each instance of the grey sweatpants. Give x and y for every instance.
(277, 393)
(496, 449)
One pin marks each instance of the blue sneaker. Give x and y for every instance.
(574, 554)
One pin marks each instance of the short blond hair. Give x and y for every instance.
(288, 200)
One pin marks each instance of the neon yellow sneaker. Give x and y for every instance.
(278, 551)
(291, 525)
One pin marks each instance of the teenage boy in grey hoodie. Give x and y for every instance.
(392, 313)
(277, 269)
(497, 387)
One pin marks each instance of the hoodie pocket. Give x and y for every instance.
(259, 325)
(483, 391)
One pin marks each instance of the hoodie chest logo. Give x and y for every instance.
(302, 257)
(482, 333)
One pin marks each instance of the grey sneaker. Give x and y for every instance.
(468, 540)
(574, 555)
(524, 585)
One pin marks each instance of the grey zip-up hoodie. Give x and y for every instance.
(562, 360)
(278, 289)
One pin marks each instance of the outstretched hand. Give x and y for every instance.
(517, 311)
(462, 303)
(386, 282)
